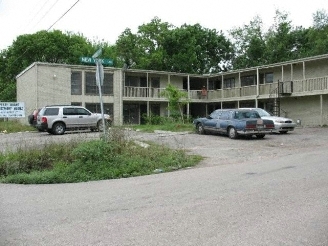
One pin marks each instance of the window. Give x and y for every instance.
(82, 111)
(131, 114)
(225, 115)
(90, 83)
(107, 88)
(269, 78)
(248, 80)
(96, 108)
(51, 111)
(76, 83)
(229, 83)
(155, 109)
(91, 87)
(69, 111)
(155, 82)
(132, 81)
(76, 103)
(214, 84)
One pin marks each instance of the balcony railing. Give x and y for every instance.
(298, 86)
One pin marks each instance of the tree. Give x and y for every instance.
(249, 45)
(161, 46)
(144, 50)
(281, 40)
(177, 100)
(317, 35)
(43, 46)
(194, 49)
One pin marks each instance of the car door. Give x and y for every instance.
(224, 121)
(85, 118)
(211, 123)
(70, 117)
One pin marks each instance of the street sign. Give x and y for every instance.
(90, 60)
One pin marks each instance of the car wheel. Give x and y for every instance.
(200, 129)
(232, 133)
(58, 128)
(260, 135)
(100, 125)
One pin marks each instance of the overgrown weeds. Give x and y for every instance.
(110, 158)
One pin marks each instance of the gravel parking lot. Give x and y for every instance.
(217, 149)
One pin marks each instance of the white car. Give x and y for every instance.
(281, 124)
(58, 118)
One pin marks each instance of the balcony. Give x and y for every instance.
(296, 87)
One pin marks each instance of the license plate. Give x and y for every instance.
(260, 126)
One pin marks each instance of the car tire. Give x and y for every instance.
(100, 125)
(58, 128)
(200, 129)
(232, 133)
(260, 135)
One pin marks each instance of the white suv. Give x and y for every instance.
(57, 119)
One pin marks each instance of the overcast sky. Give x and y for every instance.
(105, 20)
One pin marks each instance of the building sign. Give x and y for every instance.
(12, 109)
(90, 60)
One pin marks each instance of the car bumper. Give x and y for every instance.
(42, 126)
(254, 132)
(284, 126)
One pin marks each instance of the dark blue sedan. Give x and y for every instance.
(234, 123)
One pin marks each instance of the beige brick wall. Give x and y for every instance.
(27, 92)
(307, 109)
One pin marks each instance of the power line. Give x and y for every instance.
(51, 25)
(63, 14)
(37, 13)
(46, 13)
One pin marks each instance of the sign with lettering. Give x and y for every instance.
(91, 60)
(12, 109)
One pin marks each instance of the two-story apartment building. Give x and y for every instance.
(297, 89)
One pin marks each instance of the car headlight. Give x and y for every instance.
(107, 117)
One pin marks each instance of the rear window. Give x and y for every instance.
(51, 111)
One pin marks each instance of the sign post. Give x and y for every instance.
(100, 82)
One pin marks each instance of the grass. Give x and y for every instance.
(12, 126)
(80, 161)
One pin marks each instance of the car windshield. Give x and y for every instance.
(262, 112)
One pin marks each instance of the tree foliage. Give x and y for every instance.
(161, 46)
(177, 99)
(189, 49)
(43, 46)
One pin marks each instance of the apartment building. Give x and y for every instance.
(297, 89)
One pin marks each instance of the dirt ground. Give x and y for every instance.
(217, 149)
(221, 150)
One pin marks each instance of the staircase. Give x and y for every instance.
(283, 89)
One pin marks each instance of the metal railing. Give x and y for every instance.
(295, 86)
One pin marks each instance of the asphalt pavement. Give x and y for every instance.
(246, 192)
